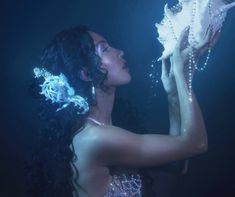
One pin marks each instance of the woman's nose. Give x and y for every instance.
(121, 53)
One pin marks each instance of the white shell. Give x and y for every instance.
(197, 14)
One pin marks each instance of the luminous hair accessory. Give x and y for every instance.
(58, 90)
(93, 94)
(199, 15)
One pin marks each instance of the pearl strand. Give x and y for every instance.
(192, 62)
(206, 62)
(192, 41)
(190, 68)
(209, 50)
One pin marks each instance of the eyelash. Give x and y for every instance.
(106, 49)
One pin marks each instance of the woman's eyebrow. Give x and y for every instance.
(100, 42)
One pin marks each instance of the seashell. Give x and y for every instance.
(199, 15)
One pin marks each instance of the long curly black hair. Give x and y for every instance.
(50, 172)
(69, 52)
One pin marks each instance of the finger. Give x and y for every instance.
(202, 50)
(206, 39)
(211, 43)
(187, 50)
(182, 37)
(162, 58)
(215, 38)
(202, 47)
(164, 69)
(207, 31)
(171, 65)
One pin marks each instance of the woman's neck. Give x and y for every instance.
(103, 110)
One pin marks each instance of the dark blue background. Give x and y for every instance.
(26, 28)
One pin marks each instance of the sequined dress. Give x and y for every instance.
(125, 184)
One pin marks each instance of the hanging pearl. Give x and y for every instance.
(190, 68)
(206, 62)
(192, 40)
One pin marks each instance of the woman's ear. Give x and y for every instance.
(84, 75)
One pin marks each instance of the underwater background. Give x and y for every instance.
(28, 26)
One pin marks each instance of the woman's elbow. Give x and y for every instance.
(201, 144)
(204, 143)
(198, 147)
(202, 147)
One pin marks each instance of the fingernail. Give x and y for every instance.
(160, 59)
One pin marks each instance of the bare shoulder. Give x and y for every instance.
(111, 136)
(106, 142)
(97, 135)
(110, 145)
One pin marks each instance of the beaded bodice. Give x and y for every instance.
(125, 184)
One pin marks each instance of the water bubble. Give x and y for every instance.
(153, 75)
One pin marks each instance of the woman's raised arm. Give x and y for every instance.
(115, 146)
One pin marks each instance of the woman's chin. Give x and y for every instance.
(127, 80)
(123, 82)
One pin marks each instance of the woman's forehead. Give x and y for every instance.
(98, 39)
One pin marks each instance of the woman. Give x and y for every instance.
(85, 147)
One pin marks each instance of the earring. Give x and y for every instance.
(93, 94)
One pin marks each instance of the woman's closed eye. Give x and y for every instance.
(105, 49)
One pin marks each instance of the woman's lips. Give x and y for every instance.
(125, 67)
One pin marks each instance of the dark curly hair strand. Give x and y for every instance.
(52, 168)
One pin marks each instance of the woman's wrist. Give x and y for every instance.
(173, 100)
(179, 73)
(172, 94)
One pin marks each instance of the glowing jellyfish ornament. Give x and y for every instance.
(198, 15)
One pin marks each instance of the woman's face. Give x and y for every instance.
(112, 61)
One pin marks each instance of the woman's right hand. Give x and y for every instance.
(180, 57)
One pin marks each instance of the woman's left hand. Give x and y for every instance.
(180, 57)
